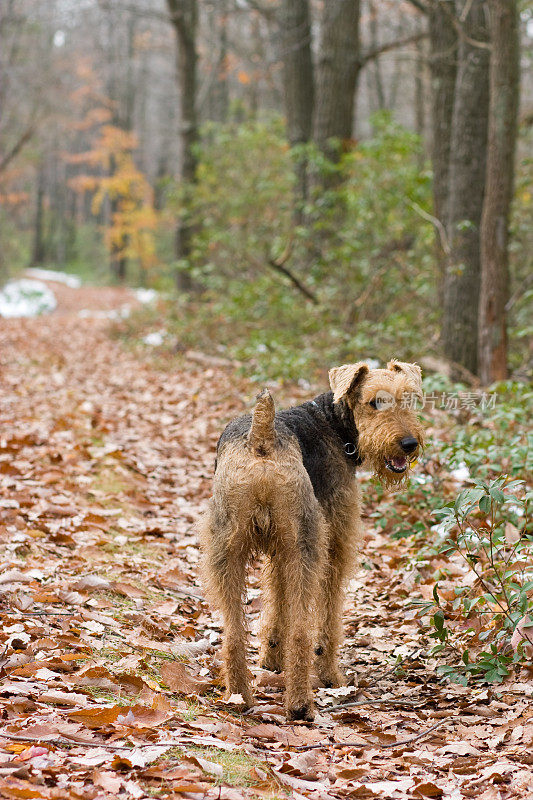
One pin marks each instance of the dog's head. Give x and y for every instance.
(383, 404)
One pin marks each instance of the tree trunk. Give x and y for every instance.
(184, 18)
(375, 79)
(466, 189)
(117, 260)
(339, 62)
(38, 250)
(443, 66)
(218, 93)
(504, 91)
(298, 83)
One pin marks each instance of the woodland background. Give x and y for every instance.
(311, 176)
(294, 184)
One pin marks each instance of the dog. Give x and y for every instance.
(285, 487)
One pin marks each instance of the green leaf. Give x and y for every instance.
(484, 504)
(497, 495)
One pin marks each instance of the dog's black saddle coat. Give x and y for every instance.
(322, 429)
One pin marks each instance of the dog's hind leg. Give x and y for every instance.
(273, 621)
(226, 552)
(300, 557)
(345, 533)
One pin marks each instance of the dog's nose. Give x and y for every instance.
(409, 444)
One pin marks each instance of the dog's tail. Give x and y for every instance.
(262, 436)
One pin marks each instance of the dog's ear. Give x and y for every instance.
(412, 372)
(345, 380)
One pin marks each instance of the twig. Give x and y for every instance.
(60, 741)
(374, 744)
(417, 737)
(73, 743)
(438, 225)
(45, 613)
(279, 265)
(407, 703)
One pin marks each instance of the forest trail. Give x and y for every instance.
(110, 654)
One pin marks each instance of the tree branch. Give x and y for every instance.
(457, 24)
(278, 264)
(294, 280)
(422, 7)
(384, 48)
(17, 147)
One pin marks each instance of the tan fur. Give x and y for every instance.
(380, 431)
(263, 503)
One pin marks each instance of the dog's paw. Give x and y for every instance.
(271, 656)
(331, 678)
(305, 712)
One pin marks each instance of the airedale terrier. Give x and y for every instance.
(285, 487)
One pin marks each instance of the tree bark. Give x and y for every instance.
(298, 83)
(339, 62)
(375, 79)
(420, 104)
(466, 190)
(213, 95)
(443, 66)
(184, 18)
(504, 92)
(38, 250)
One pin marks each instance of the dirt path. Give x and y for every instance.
(108, 647)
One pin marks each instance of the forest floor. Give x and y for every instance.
(110, 655)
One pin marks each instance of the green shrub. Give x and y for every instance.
(363, 245)
(484, 619)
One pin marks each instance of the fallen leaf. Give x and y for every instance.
(179, 679)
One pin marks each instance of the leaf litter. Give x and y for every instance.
(110, 658)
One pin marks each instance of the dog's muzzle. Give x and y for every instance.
(398, 464)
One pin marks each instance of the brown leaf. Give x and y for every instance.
(208, 766)
(64, 698)
(427, 790)
(91, 583)
(179, 679)
(127, 589)
(95, 717)
(109, 781)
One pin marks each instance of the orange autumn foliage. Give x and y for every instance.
(112, 174)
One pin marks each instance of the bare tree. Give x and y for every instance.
(339, 62)
(298, 82)
(504, 87)
(184, 18)
(466, 188)
(217, 90)
(443, 66)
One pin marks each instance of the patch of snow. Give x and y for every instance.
(54, 275)
(518, 510)
(26, 298)
(92, 313)
(155, 339)
(145, 295)
(421, 479)
(461, 474)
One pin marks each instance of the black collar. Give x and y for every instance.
(350, 448)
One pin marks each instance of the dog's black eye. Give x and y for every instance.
(373, 403)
